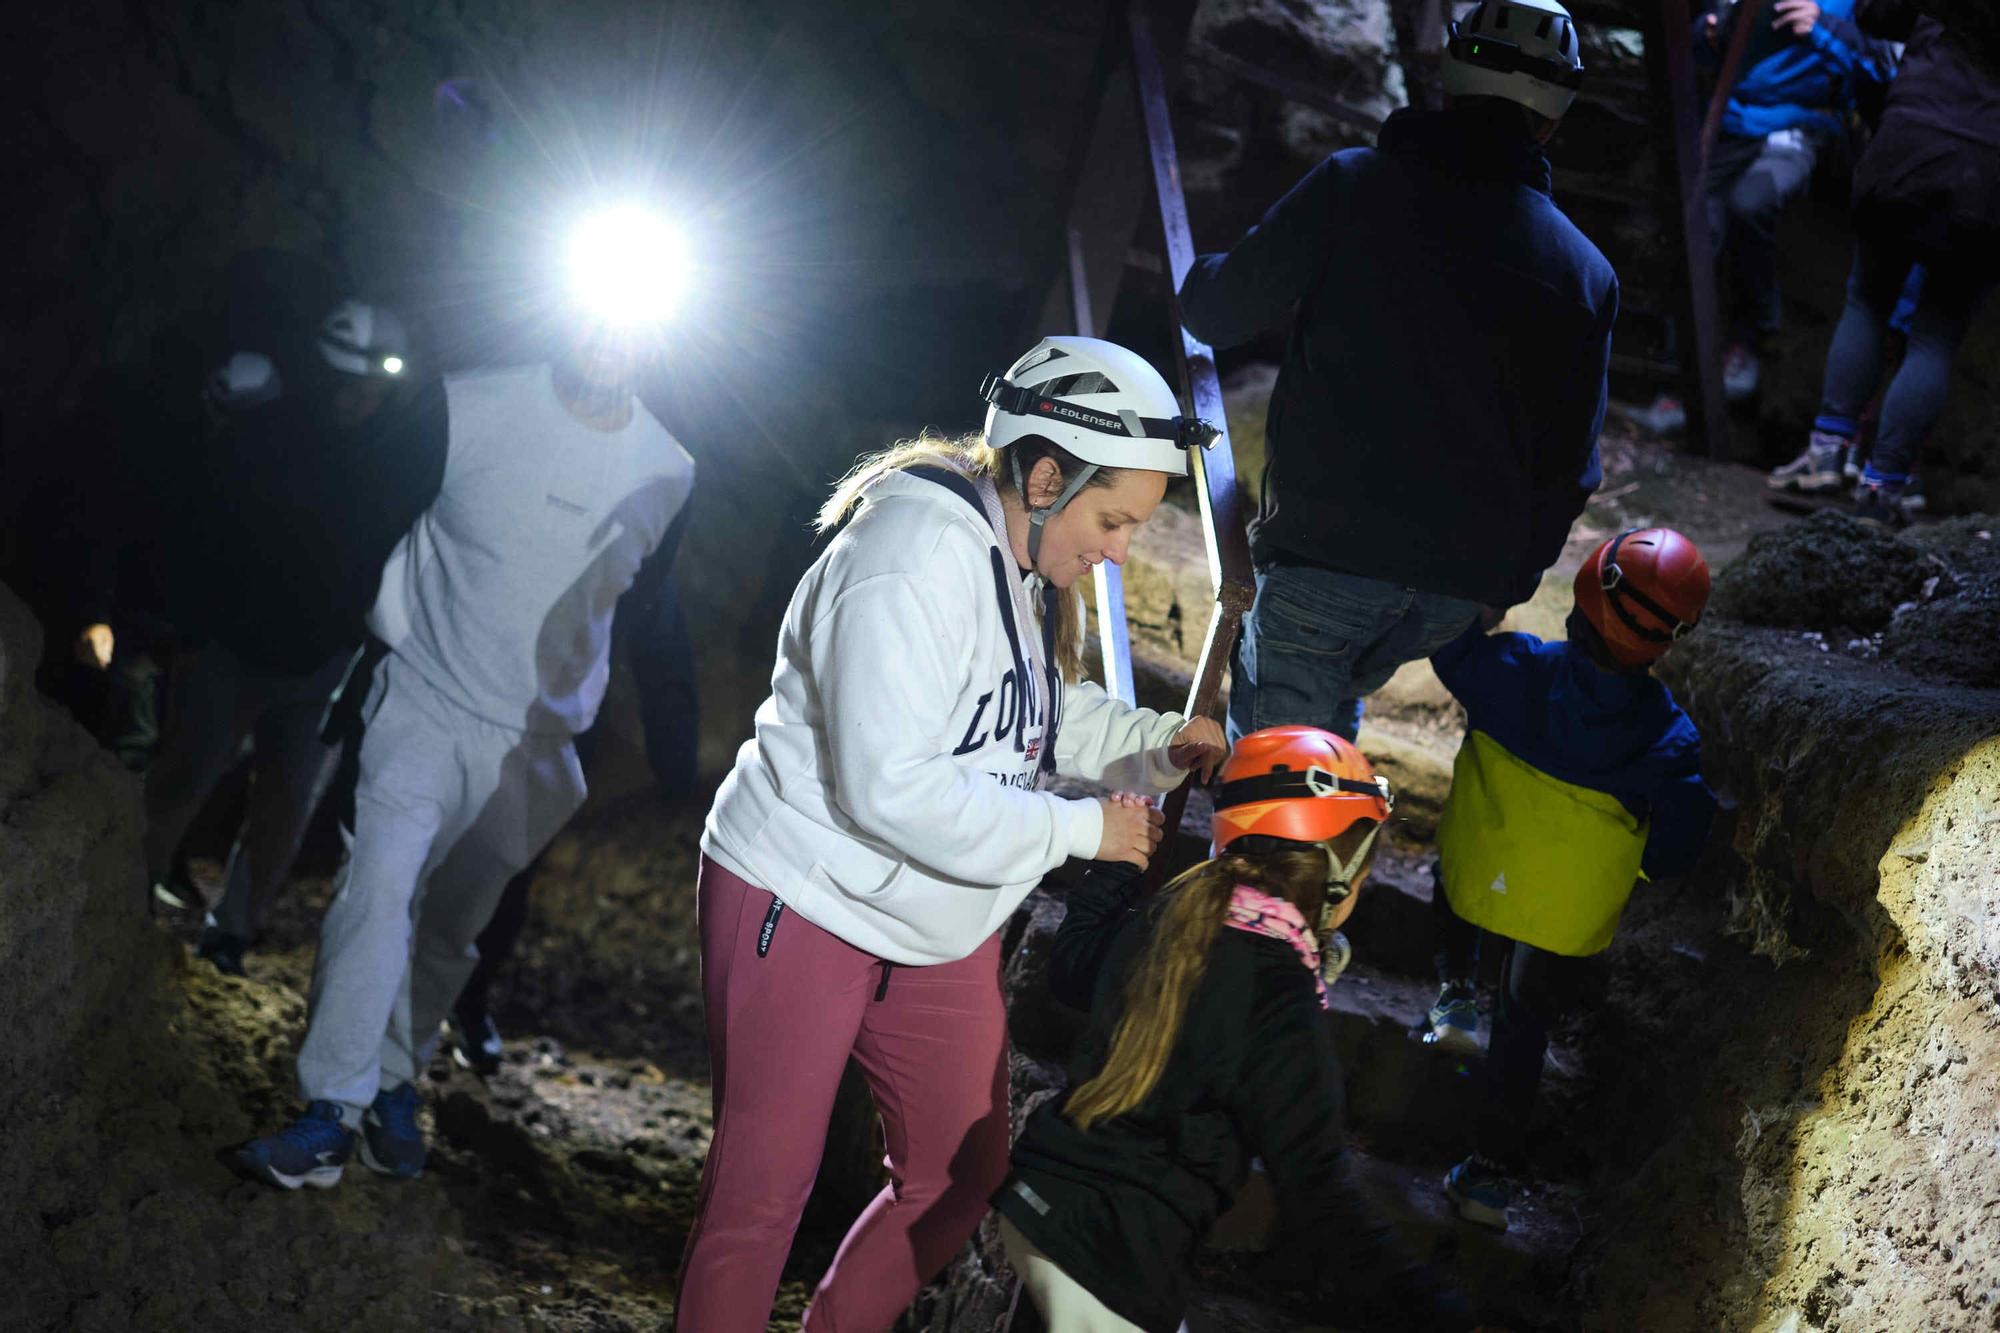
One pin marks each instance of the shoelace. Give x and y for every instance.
(316, 1130)
(398, 1112)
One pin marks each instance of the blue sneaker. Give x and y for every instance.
(391, 1143)
(1453, 1020)
(311, 1150)
(1479, 1192)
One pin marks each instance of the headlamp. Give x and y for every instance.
(627, 266)
(392, 365)
(1186, 432)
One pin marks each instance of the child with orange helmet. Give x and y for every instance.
(1578, 775)
(1207, 1047)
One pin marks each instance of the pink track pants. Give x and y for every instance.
(933, 1044)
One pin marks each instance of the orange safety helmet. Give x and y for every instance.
(1641, 590)
(1296, 783)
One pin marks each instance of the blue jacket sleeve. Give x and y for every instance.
(1844, 45)
(1229, 298)
(1476, 665)
(1683, 810)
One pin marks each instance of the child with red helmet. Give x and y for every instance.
(1206, 1048)
(1578, 775)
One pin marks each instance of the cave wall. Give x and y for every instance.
(1831, 1165)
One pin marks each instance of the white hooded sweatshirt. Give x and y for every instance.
(891, 793)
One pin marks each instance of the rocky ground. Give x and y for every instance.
(1774, 1114)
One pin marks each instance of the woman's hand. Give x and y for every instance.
(1132, 829)
(1199, 745)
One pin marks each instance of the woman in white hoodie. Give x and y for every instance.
(889, 815)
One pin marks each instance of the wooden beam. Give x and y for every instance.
(1670, 62)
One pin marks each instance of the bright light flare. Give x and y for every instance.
(628, 266)
(392, 365)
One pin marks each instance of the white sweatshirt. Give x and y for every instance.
(501, 594)
(891, 793)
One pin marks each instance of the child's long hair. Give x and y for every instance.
(1190, 911)
(971, 455)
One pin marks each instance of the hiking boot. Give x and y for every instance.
(1818, 469)
(1664, 416)
(475, 1040)
(1741, 371)
(221, 950)
(391, 1142)
(1479, 1192)
(1453, 1022)
(312, 1150)
(1881, 503)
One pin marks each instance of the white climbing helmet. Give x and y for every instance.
(1102, 403)
(1523, 50)
(362, 339)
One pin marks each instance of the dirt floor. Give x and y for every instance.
(561, 1188)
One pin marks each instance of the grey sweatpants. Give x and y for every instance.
(448, 807)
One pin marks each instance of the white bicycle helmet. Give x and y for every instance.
(363, 339)
(1523, 50)
(1100, 402)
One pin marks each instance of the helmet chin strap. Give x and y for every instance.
(1039, 515)
(1340, 877)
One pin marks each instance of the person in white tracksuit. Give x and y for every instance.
(496, 608)
(890, 814)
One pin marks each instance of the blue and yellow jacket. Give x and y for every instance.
(1807, 82)
(1572, 782)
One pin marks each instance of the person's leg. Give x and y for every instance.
(1854, 358)
(1300, 642)
(1916, 394)
(1781, 170)
(522, 790)
(290, 771)
(1457, 938)
(781, 1022)
(1534, 993)
(496, 942)
(1428, 622)
(404, 802)
(210, 718)
(1066, 1305)
(934, 1048)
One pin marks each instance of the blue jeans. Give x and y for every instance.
(1315, 641)
(1945, 305)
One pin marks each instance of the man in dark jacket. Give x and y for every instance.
(1433, 431)
(316, 475)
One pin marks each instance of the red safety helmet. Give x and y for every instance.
(1641, 590)
(1296, 783)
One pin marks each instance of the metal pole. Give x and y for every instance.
(1223, 519)
(1114, 635)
